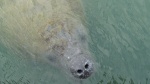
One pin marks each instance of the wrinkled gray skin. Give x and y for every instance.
(76, 56)
(79, 63)
(81, 68)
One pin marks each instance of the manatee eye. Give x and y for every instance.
(79, 71)
(83, 38)
(86, 66)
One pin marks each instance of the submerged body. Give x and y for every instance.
(48, 29)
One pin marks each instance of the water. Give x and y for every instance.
(119, 31)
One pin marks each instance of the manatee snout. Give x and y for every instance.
(81, 67)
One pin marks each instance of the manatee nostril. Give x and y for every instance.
(86, 66)
(79, 71)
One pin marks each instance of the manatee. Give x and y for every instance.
(51, 30)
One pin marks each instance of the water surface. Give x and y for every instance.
(119, 33)
(120, 40)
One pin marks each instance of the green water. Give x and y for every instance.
(120, 42)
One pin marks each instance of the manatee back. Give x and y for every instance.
(24, 22)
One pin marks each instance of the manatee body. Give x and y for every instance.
(47, 29)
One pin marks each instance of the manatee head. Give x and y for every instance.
(80, 62)
(81, 67)
(74, 53)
